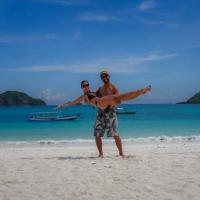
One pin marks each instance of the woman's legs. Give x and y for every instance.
(133, 94)
(128, 95)
(113, 100)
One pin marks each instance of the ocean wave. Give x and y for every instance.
(80, 141)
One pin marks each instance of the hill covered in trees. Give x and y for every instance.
(15, 98)
(193, 100)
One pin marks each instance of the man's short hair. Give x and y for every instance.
(104, 72)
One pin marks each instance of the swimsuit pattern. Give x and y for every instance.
(106, 120)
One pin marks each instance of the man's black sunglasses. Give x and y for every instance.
(104, 76)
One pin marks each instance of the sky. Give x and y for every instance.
(48, 46)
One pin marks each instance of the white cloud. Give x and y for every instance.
(97, 17)
(155, 17)
(152, 21)
(150, 57)
(184, 48)
(115, 65)
(34, 38)
(26, 38)
(42, 68)
(66, 2)
(52, 97)
(147, 5)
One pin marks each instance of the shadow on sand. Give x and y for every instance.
(81, 157)
(87, 157)
(77, 158)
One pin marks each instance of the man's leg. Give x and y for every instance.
(111, 122)
(118, 143)
(98, 141)
(99, 130)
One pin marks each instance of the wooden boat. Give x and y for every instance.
(51, 116)
(124, 111)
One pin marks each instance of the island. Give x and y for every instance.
(193, 100)
(15, 98)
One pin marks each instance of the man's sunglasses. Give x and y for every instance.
(104, 76)
(85, 85)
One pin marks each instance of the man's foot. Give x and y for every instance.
(101, 156)
(122, 155)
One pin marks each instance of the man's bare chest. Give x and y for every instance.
(107, 91)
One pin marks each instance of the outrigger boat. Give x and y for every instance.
(124, 111)
(51, 116)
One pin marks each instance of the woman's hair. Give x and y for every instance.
(84, 81)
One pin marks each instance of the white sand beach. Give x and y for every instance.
(153, 171)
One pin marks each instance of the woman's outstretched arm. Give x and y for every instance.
(72, 103)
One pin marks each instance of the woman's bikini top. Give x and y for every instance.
(91, 95)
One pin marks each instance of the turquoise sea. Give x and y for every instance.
(151, 122)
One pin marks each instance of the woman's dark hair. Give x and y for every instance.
(84, 81)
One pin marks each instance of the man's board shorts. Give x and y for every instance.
(106, 120)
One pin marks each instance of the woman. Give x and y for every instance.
(103, 102)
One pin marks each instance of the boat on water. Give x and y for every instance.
(51, 116)
(124, 111)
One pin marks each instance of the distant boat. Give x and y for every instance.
(121, 108)
(124, 111)
(51, 116)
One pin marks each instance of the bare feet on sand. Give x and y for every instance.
(122, 155)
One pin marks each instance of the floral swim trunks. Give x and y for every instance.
(106, 120)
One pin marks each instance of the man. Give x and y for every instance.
(107, 119)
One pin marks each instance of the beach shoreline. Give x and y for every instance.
(156, 170)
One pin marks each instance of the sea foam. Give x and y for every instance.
(162, 138)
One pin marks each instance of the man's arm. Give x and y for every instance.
(115, 90)
(98, 92)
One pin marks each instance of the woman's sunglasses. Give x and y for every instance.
(85, 85)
